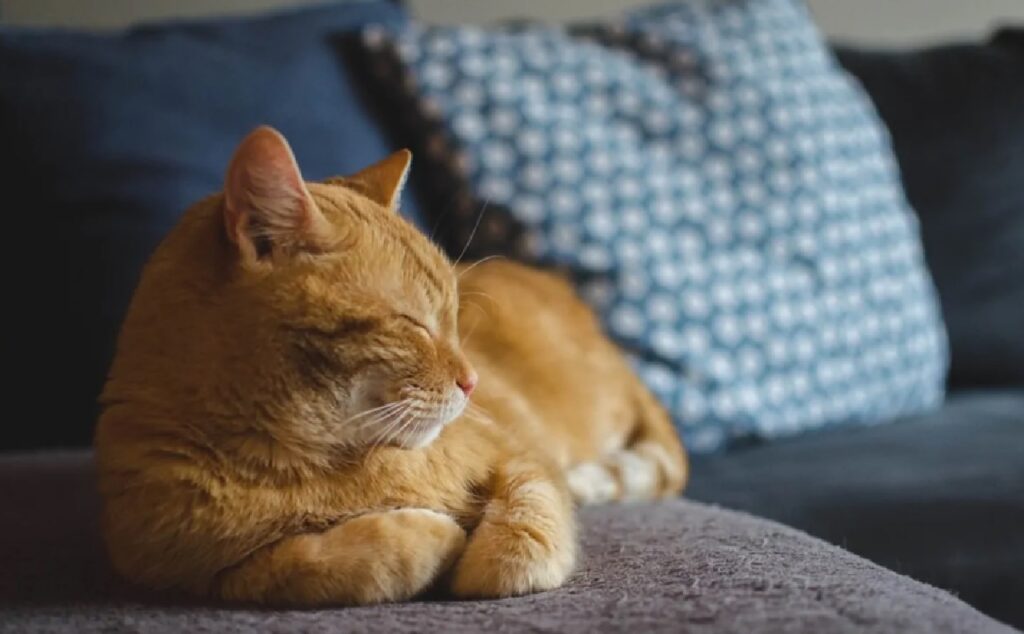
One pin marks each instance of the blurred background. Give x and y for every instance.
(877, 22)
(106, 136)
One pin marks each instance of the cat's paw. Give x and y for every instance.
(592, 483)
(639, 473)
(409, 550)
(374, 558)
(509, 558)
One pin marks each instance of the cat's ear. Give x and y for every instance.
(267, 207)
(383, 181)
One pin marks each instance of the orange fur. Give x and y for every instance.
(285, 419)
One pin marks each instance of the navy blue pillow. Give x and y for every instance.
(106, 139)
(956, 115)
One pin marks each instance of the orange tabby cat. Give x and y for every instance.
(286, 417)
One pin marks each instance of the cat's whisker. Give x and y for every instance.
(402, 425)
(465, 337)
(386, 424)
(472, 234)
(401, 431)
(479, 262)
(382, 408)
(474, 305)
(396, 422)
(466, 295)
(439, 222)
(382, 415)
(397, 433)
(373, 410)
(382, 419)
(399, 413)
(378, 437)
(475, 294)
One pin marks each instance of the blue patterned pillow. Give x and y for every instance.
(721, 192)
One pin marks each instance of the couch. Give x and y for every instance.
(677, 566)
(915, 525)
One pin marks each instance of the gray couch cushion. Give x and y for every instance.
(938, 497)
(672, 566)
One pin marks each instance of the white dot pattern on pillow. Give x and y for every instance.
(723, 194)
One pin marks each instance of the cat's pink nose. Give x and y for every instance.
(467, 382)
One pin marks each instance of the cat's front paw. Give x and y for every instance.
(508, 558)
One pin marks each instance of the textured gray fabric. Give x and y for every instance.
(676, 566)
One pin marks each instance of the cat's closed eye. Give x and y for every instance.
(416, 323)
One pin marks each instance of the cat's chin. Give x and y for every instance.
(425, 432)
(422, 439)
(422, 431)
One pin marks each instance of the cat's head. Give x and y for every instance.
(330, 320)
(371, 305)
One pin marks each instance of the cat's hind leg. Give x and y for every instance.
(374, 558)
(652, 464)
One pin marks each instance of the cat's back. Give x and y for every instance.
(521, 303)
(542, 356)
